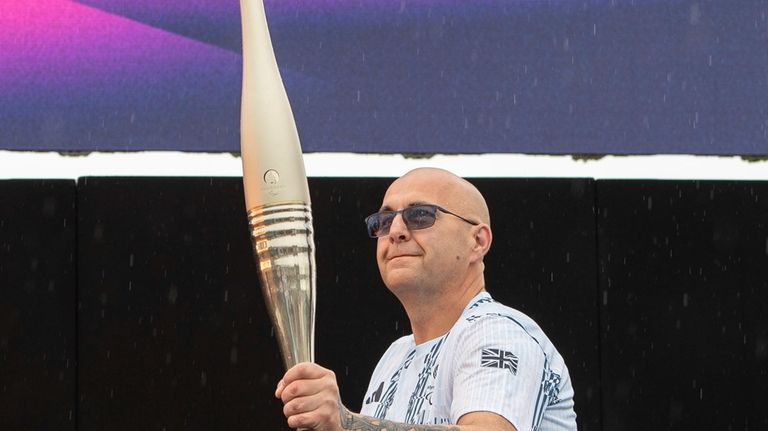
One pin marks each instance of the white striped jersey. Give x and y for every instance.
(494, 358)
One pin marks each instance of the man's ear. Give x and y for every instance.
(483, 238)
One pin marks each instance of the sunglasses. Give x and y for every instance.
(415, 217)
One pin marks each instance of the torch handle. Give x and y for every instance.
(282, 238)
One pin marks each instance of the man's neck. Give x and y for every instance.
(434, 316)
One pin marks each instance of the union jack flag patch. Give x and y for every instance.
(497, 358)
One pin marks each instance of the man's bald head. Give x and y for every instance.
(449, 190)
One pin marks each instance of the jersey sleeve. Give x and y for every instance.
(499, 367)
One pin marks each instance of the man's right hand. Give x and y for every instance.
(310, 397)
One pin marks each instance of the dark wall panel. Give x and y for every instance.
(37, 305)
(173, 331)
(684, 288)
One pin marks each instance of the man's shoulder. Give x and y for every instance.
(493, 323)
(486, 309)
(488, 316)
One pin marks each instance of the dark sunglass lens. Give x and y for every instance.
(372, 223)
(378, 224)
(419, 216)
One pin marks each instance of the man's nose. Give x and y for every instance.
(398, 231)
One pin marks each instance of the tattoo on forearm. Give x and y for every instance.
(356, 422)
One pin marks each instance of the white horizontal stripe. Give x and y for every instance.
(22, 164)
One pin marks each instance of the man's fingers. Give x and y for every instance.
(305, 371)
(306, 388)
(279, 389)
(301, 405)
(310, 411)
(304, 420)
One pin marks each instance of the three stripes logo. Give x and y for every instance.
(497, 358)
(376, 396)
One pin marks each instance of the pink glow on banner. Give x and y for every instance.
(58, 45)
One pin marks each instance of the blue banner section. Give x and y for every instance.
(431, 76)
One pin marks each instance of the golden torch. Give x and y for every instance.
(276, 193)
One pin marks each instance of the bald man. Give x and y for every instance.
(471, 363)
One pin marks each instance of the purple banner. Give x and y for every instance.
(431, 76)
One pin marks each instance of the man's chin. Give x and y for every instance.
(400, 279)
(401, 262)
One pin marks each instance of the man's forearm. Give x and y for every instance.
(357, 422)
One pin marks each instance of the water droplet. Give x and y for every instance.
(173, 294)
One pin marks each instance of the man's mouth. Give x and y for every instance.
(400, 255)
